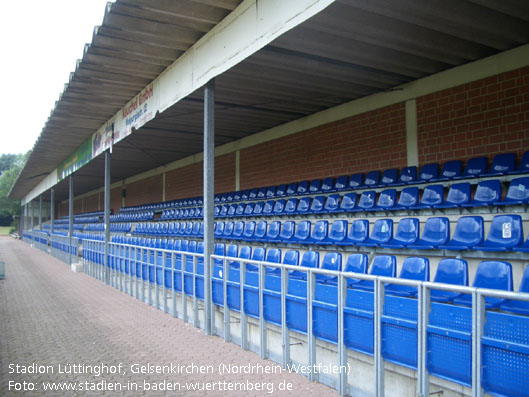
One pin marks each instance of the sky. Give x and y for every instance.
(40, 42)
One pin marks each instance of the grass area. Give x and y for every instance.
(4, 230)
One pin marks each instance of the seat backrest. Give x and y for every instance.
(281, 190)
(258, 209)
(261, 193)
(233, 251)
(240, 209)
(436, 230)
(432, 195)
(303, 187)
(503, 163)
(317, 204)
(245, 252)
(348, 201)
(475, 167)
(524, 284)
(331, 202)
(356, 180)
(494, 275)
(452, 271)
(287, 230)
(408, 230)
(303, 204)
(291, 205)
(279, 206)
(320, 231)
(428, 172)
(228, 229)
(459, 193)
(249, 229)
(332, 261)
(367, 199)
(268, 207)
(292, 189)
(389, 177)
(409, 197)
(271, 192)
(273, 255)
(260, 230)
(505, 231)
(315, 186)
(327, 185)
(408, 174)
(342, 182)
(488, 191)
(338, 230)
(384, 265)
(518, 189)
(469, 230)
(387, 198)
(451, 169)
(382, 230)
(302, 230)
(415, 268)
(258, 254)
(359, 230)
(274, 228)
(372, 178)
(291, 257)
(356, 263)
(238, 229)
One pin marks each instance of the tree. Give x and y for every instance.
(13, 163)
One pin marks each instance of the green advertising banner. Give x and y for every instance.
(79, 158)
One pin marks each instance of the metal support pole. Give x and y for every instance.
(70, 220)
(22, 221)
(107, 214)
(52, 208)
(40, 213)
(209, 189)
(32, 214)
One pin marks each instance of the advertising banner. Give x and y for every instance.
(79, 158)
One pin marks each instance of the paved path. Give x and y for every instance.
(70, 327)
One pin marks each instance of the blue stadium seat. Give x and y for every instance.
(330, 261)
(252, 194)
(386, 200)
(238, 230)
(231, 210)
(475, 167)
(315, 186)
(450, 170)
(287, 231)
(366, 202)
(228, 230)
(356, 181)
(291, 206)
(303, 188)
(492, 275)
(303, 206)
(382, 232)
(271, 192)
(356, 263)
(468, 233)
(219, 230)
(224, 211)
(292, 189)
(383, 265)
(319, 232)
(505, 233)
(436, 232)
(358, 233)
(502, 164)
(432, 196)
(291, 258)
(268, 208)
(302, 233)
(248, 210)
(487, 193)
(261, 193)
(328, 185)
(332, 203)
(348, 202)
(281, 190)
(237, 196)
(337, 232)
(279, 207)
(273, 255)
(240, 209)
(342, 183)
(409, 197)
(428, 173)
(517, 306)
(407, 233)
(316, 206)
(523, 168)
(518, 192)
(407, 175)
(458, 195)
(413, 268)
(272, 233)
(260, 231)
(258, 209)
(372, 179)
(449, 271)
(390, 177)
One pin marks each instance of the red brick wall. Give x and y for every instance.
(187, 181)
(115, 199)
(370, 141)
(78, 206)
(148, 190)
(91, 203)
(485, 117)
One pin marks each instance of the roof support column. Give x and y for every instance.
(107, 213)
(22, 221)
(70, 218)
(32, 214)
(52, 208)
(40, 213)
(209, 199)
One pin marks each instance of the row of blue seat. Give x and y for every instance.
(132, 216)
(487, 193)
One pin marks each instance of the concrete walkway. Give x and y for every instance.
(77, 333)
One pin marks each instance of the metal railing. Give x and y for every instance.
(64, 248)
(138, 271)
